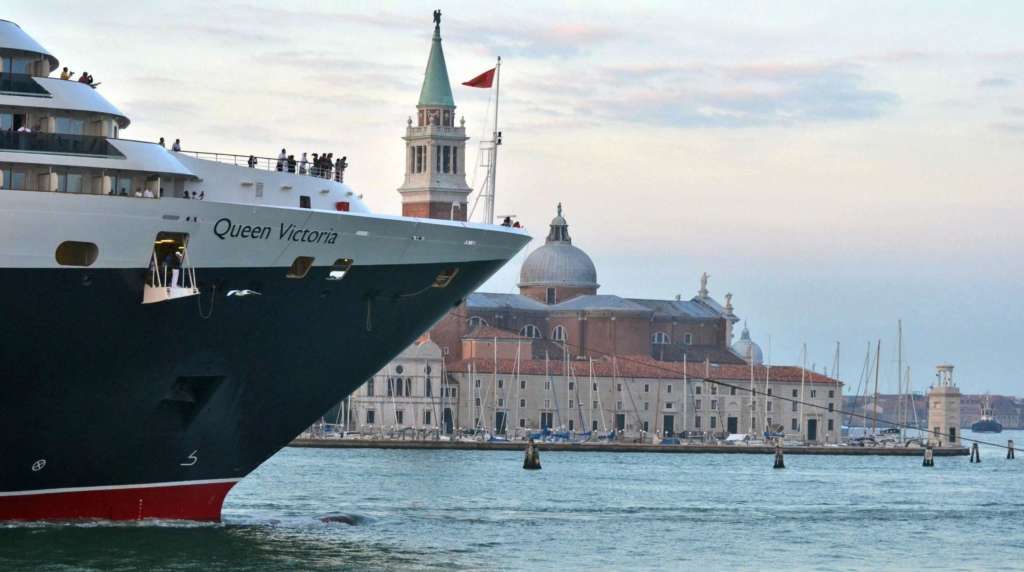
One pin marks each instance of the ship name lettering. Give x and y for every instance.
(293, 233)
(224, 228)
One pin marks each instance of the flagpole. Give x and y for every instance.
(496, 140)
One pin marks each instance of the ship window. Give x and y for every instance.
(304, 202)
(339, 268)
(70, 125)
(300, 267)
(13, 180)
(69, 182)
(6, 121)
(71, 253)
(445, 277)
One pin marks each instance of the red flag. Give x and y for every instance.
(483, 80)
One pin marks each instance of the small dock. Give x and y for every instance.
(620, 447)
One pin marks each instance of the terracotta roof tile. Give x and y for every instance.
(641, 367)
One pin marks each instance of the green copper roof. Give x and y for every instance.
(437, 91)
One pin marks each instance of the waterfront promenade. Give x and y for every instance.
(619, 447)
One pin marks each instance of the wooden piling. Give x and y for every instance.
(531, 461)
(1009, 449)
(780, 462)
(975, 453)
(929, 456)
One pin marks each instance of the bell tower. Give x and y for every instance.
(435, 149)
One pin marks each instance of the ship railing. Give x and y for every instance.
(270, 164)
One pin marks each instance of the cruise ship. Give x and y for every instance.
(170, 319)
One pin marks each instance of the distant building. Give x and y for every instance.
(944, 409)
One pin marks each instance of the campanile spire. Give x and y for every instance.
(435, 171)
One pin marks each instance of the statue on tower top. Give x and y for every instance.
(703, 293)
(437, 17)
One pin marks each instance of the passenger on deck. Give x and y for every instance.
(303, 164)
(314, 168)
(66, 75)
(177, 145)
(162, 143)
(507, 222)
(339, 169)
(291, 163)
(281, 159)
(328, 165)
(202, 195)
(252, 161)
(84, 78)
(123, 192)
(148, 194)
(138, 192)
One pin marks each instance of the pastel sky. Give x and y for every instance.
(837, 166)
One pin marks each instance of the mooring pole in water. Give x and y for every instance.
(929, 456)
(975, 453)
(780, 462)
(1009, 449)
(532, 459)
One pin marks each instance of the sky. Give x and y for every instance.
(836, 166)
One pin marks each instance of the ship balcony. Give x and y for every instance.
(60, 143)
(272, 164)
(21, 84)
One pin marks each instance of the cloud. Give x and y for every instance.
(763, 94)
(1009, 127)
(996, 82)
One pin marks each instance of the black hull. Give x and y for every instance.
(103, 390)
(987, 426)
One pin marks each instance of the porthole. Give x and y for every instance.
(340, 267)
(300, 267)
(71, 253)
(445, 277)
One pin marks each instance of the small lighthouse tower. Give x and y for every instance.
(435, 149)
(944, 408)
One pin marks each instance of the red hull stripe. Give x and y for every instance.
(195, 500)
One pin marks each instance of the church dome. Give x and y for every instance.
(558, 262)
(748, 349)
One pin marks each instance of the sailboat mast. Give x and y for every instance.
(874, 412)
(900, 416)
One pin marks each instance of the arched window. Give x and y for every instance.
(475, 321)
(558, 334)
(688, 339)
(530, 331)
(660, 338)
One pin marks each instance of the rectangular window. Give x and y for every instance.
(712, 422)
(594, 406)
(522, 422)
(6, 121)
(477, 383)
(831, 393)
(793, 423)
(593, 426)
(620, 387)
(428, 390)
(668, 389)
(447, 158)
(696, 404)
(618, 406)
(769, 391)
(400, 417)
(696, 422)
(455, 160)
(437, 155)
(714, 390)
(501, 402)
(522, 384)
(796, 393)
(426, 417)
(477, 401)
(501, 384)
(69, 182)
(595, 386)
(305, 202)
(647, 405)
(769, 422)
(714, 404)
(831, 407)
(647, 426)
(572, 386)
(571, 425)
(732, 391)
(572, 404)
(831, 425)
(668, 405)
(550, 297)
(419, 158)
(696, 390)
(398, 387)
(794, 405)
(391, 387)
(647, 388)
(70, 125)
(547, 386)
(688, 339)
(369, 388)
(769, 404)
(370, 416)
(522, 403)
(547, 404)
(814, 393)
